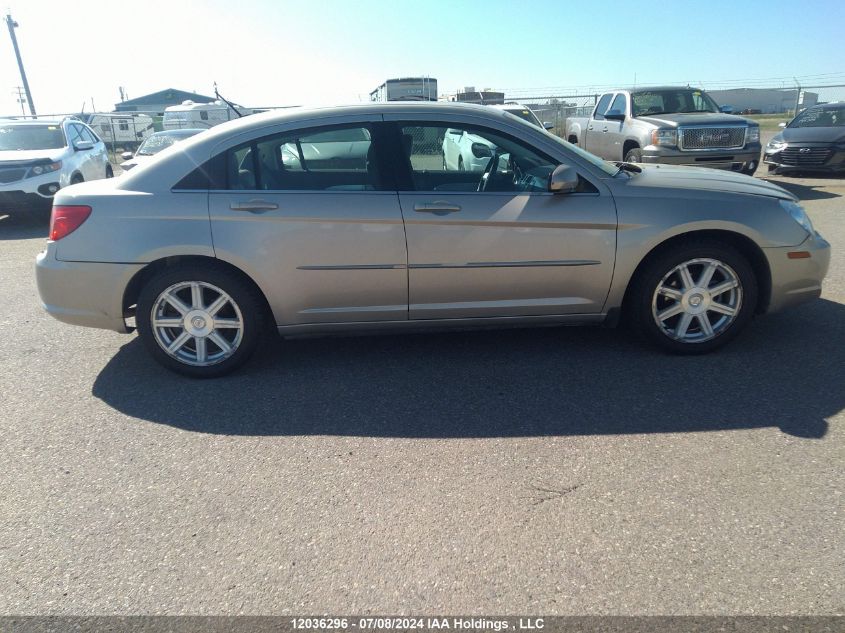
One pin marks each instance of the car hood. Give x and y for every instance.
(22, 156)
(813, 134)
(704, 179)
(699, 118)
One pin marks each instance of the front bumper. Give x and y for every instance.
(83, 293)
(796, 281)
(734, 160)
(823, 157)
(35, 191)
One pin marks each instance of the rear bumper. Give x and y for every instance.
(796, 281)
(735, 160)
(83, 293)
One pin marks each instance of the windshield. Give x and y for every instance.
(648, 102)
(25, 137)
(158, 142)
(820, 117)
(525, 114)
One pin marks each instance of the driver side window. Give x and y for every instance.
(472, 159)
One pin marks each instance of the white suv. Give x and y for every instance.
(39, 156)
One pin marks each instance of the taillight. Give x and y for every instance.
(64, 220)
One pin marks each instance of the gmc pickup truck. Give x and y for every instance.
(678, 126)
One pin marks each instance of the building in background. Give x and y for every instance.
(767, 101)
(406, 89)
(157, 102)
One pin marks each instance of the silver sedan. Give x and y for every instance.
(266, 221)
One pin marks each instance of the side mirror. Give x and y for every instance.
(548, 125)
(615, 115)
(126, 155)
(726, 110)
(782, 124)
(455, 132)
(82, 146)
(480, 150)
(563, 179)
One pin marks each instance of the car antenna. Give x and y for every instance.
(225, 100)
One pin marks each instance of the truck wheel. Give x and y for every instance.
(634, 156)
(109, 172)
(693, 298)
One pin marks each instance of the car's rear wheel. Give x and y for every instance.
(461, 163)
(77, 178)
(694, 298)
(109, 172)
(198, 321)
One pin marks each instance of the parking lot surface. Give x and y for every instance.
(548, 471)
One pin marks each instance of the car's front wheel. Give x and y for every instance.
(694, 298)
(198, 321)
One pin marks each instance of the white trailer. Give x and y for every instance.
(200, 115)
(126, 129)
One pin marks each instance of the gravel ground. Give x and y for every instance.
(552, 471)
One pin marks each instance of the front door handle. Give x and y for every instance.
(604, 130)
(437, 208)
(254, 206)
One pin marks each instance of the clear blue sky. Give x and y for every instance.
(278, 52)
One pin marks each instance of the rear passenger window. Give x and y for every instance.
(336, 159)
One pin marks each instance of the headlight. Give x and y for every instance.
(776, 144)
(44, 169)
(664, 137)
(753, 135)
(798, 214)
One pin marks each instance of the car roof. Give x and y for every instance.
(304, 113)
(657, 88)
(183, 131)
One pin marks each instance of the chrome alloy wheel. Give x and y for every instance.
(696, 301)
(197, 323)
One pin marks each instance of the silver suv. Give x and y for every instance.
(38, 157)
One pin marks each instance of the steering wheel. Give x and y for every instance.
(489, 169)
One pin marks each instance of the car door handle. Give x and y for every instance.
(604, 130)
(254, 206)
(437, 208)
(589, 127)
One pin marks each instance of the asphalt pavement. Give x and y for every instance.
(549, 471)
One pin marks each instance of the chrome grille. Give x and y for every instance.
(805, 156)
(711, 137)
(11, 175)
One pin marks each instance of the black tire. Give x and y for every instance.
(461, 163)
(634, 155)
(643, 291)
(76, 179)
(749, 172)
(245, 297)
(109, 172)
(773, 169)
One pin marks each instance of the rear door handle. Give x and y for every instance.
(589, 127)
(254, 206)
(437, 208)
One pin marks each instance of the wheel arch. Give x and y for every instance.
(628, 145)
(140, 279)
(745, 245)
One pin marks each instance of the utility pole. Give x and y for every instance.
(12, 26)
(21, 99)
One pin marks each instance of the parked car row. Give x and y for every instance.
(333, 220)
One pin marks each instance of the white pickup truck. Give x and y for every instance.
(678, 126)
